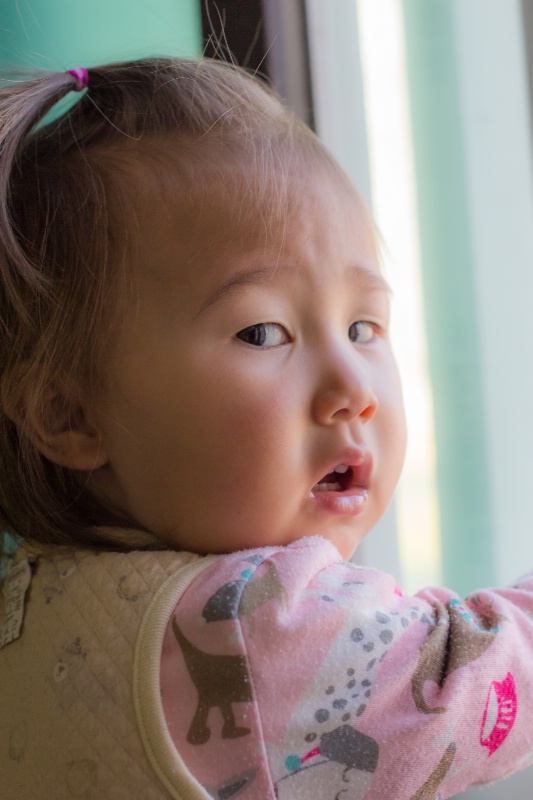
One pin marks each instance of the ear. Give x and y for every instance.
(63, 428)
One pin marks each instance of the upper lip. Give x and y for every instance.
(359, 459)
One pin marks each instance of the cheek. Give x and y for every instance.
(252, 397)
(217, 420)
(251, 428)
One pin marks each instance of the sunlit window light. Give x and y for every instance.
(394, 206)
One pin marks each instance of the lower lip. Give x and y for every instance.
(345, 504)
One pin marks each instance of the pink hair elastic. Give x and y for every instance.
(82, 78)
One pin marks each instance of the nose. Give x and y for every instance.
(344, 391)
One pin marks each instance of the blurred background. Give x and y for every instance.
(428, 107)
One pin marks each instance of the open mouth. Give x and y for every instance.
(339, 480)
(351, 475)
(344, 490)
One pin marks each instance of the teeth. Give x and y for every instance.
(327, 487)
(332, 486)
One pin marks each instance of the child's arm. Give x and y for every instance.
(289, 673)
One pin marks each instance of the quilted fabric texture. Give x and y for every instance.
(67, 723)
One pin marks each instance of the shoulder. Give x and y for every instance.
(218, 588)
(68, 710)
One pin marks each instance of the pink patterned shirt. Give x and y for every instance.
(287, 673)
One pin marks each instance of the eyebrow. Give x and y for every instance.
(241, 278)
(367, 278)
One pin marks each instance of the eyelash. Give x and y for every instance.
(257, 335)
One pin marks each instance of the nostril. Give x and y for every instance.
(368, 412)
(344, 402)
(350, 411)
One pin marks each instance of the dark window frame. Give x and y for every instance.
(269, 37)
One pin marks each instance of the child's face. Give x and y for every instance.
(252, 397)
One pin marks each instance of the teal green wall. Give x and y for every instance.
(61, 34)
(449, 294)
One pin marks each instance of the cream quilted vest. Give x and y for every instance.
(68, 727)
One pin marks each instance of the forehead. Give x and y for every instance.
(238, 203)
(232, 229)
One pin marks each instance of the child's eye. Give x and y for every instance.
(264, 334)
(363, 332)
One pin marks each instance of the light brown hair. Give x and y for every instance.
(62, 238)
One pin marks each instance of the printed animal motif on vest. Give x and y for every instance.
(220, 681)
(242, 597)
(457, 638)
(429, 790)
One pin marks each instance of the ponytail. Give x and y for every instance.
(23, 105)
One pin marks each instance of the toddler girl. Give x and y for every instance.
(200, 420)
